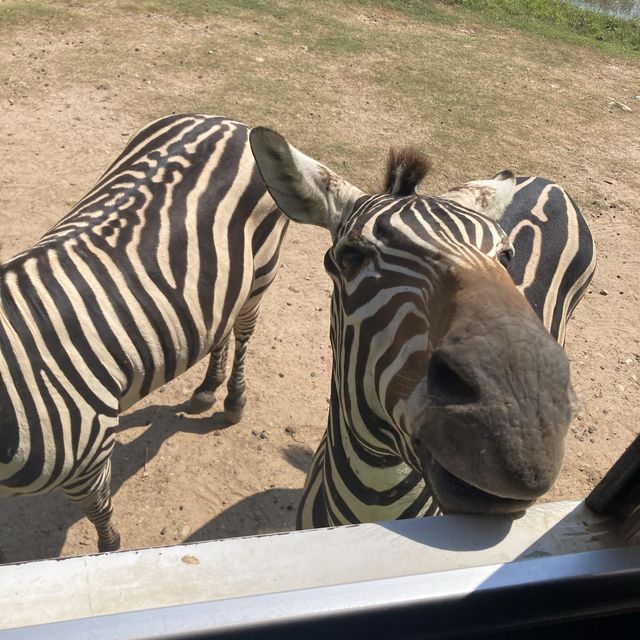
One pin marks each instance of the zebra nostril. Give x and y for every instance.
(445, 385)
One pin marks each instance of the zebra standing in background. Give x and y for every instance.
(151, 271)
(444, 383)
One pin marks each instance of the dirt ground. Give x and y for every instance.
(181, 478)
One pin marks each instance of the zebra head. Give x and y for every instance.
(438, 358)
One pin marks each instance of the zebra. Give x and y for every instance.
(448, 394)
(165, 257)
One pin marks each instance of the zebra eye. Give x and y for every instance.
(349, 258)
(505, 256)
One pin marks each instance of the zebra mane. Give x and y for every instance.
(406, 167)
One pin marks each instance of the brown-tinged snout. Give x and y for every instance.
(499, 400)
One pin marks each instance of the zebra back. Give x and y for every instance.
(555, 254)
(156, 261)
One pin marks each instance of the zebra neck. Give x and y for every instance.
(353, 418)
(363, 476)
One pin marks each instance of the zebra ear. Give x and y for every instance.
(305, 190)
(488, 197)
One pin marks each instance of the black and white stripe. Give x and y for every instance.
(151, 271)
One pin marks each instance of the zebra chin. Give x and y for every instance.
(455, 496)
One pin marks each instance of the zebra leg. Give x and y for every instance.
(96, 504)
(205, 395)
(236, 387)
(236, 398)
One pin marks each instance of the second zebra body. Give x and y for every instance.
(155, 268)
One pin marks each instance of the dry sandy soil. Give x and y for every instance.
(182, 478)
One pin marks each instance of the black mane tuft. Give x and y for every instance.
(406, 167)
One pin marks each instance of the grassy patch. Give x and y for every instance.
(280, 23)
(13, 14)
(559, 20)
(200, 9)
(345, 80)
(444, 77)
(421, 10)
(555, 19)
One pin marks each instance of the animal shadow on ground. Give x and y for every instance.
(35, 527)
(269, 511)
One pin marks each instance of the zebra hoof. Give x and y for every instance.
(201, 401)
(233, 409)
(109, 544)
